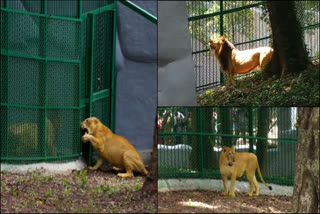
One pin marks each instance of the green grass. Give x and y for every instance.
(293, 90)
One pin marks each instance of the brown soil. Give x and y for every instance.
(213, 202)
(97, 191)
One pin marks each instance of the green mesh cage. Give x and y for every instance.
(57, 68)
(246, 25)
(189, 143)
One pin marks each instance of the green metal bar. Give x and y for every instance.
(77, 117)
(251, 130)
(311, 26)
(13, 54)
(92, 18)
(80, 63)
(101, 95)
(99, 10)
(201, 143)
(202, 51)
(140, 11)
(114, 75)
(80, 69)
(42, 15)
(40, 158)
(195, 18)
(7, 76)
(221, 33)
(255, 40)
(42, 107)
(43, 121)
(236, 44)
(225, 135)
(79, 8)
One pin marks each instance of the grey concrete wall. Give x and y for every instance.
(136, 67)
(176, 81)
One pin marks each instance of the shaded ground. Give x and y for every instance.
(293, 90)
(80, 191)
(213, 202)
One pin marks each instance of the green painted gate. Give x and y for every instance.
(57, 68)
(189, 144)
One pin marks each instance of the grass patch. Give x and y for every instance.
(293, 90)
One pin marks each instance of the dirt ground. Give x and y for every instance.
(213, 202)
(81, 191)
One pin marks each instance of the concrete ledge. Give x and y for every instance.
(57, 168)
(146, 156)
(212, 184)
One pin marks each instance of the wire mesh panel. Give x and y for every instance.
(243, 23)
(57, 68)
(190, 140)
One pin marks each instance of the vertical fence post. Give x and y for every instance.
(221, 33)
(6, 136)
(92, 23)
(201, 144)
(80, 73)
(250, 129)
(42, 125)
(114, 73)
(79, 8)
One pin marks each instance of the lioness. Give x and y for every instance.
(233, 164)
(24, 138)
(234, 61)
(117, 150)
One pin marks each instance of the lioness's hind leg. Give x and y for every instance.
(251, 182)
(129, 164)
(117, 169)
(256, 185)
(98, 164)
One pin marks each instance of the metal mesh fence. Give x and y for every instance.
(246, 25)
(57, 68)
(190, 140)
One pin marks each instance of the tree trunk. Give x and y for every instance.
(306, 193)
(208, 156)
(151, 183)
(194, 157)
(290, 55)
(262, 145)
(226, 125)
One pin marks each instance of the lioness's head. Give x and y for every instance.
(90, 124)
(215, 44)
(229, 154)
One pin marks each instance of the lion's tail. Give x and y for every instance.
(259, 172)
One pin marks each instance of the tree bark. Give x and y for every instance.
(262, 145)
(151, 183)
(306, 193)
(226, 125)
(290, 55)
(208, 156)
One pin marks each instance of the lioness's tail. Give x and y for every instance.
(259, 172)
(145, 171)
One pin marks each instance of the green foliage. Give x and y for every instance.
(82, 176)
(48, 193)
(19, 180)
(210, 27)
(67, 190)
(294, 90)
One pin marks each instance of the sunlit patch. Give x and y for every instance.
(198, 204)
